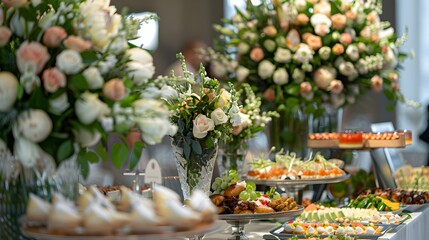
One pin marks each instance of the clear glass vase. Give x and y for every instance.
(232, 157)
(196, 171)
(16, 182)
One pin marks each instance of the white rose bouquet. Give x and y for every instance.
(69, 77)
(310, 54)
(203, 118)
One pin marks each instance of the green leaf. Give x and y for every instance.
(83, 163)
(180, 125)
(186, 150)
(91, 157)
(38, 100)
(20, 92)
(101, 151)
(119, 154)
(78, 83)
(196, 147)
(89, 57)
(209, 142)
(136, 154)
(65, 150)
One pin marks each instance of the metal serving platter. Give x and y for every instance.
(276, 182)
(261, 216)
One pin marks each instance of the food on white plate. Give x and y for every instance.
(331, 228)
(38, 209)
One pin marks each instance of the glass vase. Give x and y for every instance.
(232, 156)
(16, 183)
(195, 172)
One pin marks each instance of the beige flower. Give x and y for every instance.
(202, 126)
(115, 89)
(218, 116)
(8, 90)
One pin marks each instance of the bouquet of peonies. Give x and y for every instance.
(203, 118)
(253, 121)
(310, 53)
(69, 77)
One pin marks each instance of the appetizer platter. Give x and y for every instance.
(287, 168)
(133, 217)
(359, 140)
(412, 178)
(304, 230)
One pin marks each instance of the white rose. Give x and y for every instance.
(59, 105)
(140, 73)
(8, 90)
(307, 67)
(304, 53)
(318, 19)
(150, 108)
(218, 69)
(325, 52)
(245, 120)
(107, 123)
(324, 75)
(86, 138)
(270, 45)
(352, 52)
(69, 61)
(390, 59)
(300, 5)
(347, 69)
(266, 69)
(242, 73)
(202, 126)
(243, 48)
(298, 75)
(118, 45)
(153, 129)
(139, 55)
(93, 78)
(26, 151)
(282, 55)
(35, 125)
(218, 116)
(151, 92)
(280, 76)
(90, 107)
(169, 93)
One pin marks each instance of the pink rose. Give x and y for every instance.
(31, 55)
(305, 88)
(323, 8)
(5, 34)
(237, 130)
(393, 77)
(257, 54)
(54, 36)
(269, 94)
(366, 32)
(270, 31)
(301, 19)
(314, 42)
(336, 86)
(338, 21)
(350, 15)
(377, 83)
(53, 79)
(115, 89)
(396, 87)
(338, 49)
(372, 17)
(15, 3)
(346, 38)
(77, 43)
(321, 29)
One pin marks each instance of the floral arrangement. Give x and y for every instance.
(253, 121)
(69, 77)
(204, 118)
(310, 53)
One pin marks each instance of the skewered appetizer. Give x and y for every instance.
(412, 179)
(242, 197)
(94, 214)
(332, 228)
(289, 166)
(401, 196)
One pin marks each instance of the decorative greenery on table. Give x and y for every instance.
(310, 54)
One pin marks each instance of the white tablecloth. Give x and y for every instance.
(416, 228)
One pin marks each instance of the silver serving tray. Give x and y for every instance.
(260, 216)
(279, 233)
(276, 182)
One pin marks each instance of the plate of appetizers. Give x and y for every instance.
(133, 217)
(304, 230)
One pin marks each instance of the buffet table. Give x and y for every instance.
(416, 228)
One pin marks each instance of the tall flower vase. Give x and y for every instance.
(195, 172)
(232, 156)
(16, 182)
(289, 132)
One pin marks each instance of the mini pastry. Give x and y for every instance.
(178, 216)
(85, 200)
(143, 216)
(127, 198)
(96, 220)
(161, 195)
(37, 209)
(100, 198)
(63, 217)
(235, 189)
(201, 204)
(263, 209)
